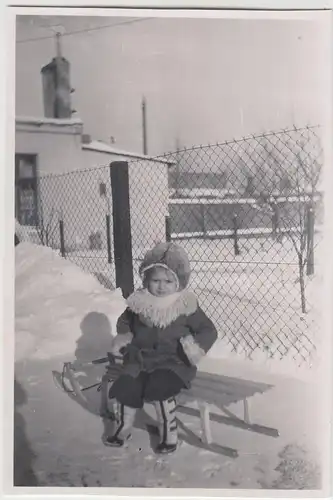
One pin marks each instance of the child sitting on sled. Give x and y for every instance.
(162, 335)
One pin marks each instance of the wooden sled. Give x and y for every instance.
(207, 391)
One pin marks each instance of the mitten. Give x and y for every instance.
(192, 350)
(119, 342)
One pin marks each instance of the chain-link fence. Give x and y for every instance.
(248, 212)
(75, 210)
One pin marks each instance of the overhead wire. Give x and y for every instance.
(85, 30)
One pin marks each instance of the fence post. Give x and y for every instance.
(167, 228)
(310, 240)
(203, 216)
(62, 238)
(108, 237)
(235, 234)
(122, 237)
(275, 220)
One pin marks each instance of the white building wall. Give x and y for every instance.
(148, 185)
(148, 182)
(71, 189)
(75, 198)
(58, 147)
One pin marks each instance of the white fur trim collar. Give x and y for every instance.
(162, 311)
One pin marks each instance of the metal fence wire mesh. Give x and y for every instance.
(74, 216)
(249, 214)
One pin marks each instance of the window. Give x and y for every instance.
(26, 189)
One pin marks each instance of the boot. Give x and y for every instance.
(124, 427)
(166, 416)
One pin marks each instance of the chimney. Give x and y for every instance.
(56, 86)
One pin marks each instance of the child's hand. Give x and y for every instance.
(192, 350)
(120, 342)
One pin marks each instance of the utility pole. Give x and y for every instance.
(58, 45)
(144, 126)
(177, 179)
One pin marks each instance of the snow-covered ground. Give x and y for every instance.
(253, 298)
(64, 314)
(57, 304)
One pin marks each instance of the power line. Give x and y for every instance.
(86, 30)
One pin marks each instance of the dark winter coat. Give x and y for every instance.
(155, 339)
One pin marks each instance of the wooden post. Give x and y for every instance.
(235, 235)
(167, 228)
(274, 221)
(205, 422)
(310, 241)
(246, 411)
(108, 237)
(122, 237)
(203, 219)
(62, 238)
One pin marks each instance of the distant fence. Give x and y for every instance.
(248, 212)
(217, 218)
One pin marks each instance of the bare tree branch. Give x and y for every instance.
(45, 230)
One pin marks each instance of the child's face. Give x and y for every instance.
(161, 283)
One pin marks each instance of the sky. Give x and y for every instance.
(205, 80)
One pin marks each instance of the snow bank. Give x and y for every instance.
(27, 233)
(60, 309)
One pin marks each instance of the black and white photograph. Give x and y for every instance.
(170, 247)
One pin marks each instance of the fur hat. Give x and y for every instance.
(171, 257)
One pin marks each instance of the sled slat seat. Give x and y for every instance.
(209, 390)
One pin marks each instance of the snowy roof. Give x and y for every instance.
(30, 120)
(102, 147)
(75, 125)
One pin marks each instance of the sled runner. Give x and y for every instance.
(207, 391)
